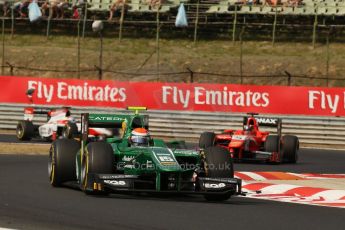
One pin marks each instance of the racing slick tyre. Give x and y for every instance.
(25, 130)
(290, 148)
(98, 158)
(218, 164)
(206, 140)
(61, 164)
(70, 130)
(272, 144)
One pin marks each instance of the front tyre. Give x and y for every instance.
(218, 164)
(272, 145)
(61, 164)
(98, 158)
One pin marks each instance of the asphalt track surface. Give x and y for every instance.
(27, 201)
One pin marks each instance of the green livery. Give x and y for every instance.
(113, 164)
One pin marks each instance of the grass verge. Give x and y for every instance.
(140, 58)
(23, 148)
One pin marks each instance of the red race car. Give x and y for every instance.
(253, 144)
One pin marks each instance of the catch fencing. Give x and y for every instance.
(312, 131)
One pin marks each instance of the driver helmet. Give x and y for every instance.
(248, 128)
(140, 137)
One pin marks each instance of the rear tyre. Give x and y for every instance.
(70, 130)
(61, 164)
(98, 158)
(218, 164)
(290, 148)
(206, 140)
(25, 130)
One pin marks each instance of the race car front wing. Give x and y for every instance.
(128, 183)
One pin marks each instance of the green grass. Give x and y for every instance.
(133, 56)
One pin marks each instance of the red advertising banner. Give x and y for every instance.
(176, 96)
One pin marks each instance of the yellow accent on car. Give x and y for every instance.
(168, 163)
(87, 168)
(52, 173)
(124, 126)
(136, 108)
(52, 176)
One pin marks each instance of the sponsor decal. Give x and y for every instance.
(66, 90)
(186, 152)
(261, 176)
(224, 180)
(325, 101)
(164, 156)
(318, 101)
(269, 121)
(239, 137)
(109, 177)
(223, 96)
(128, 158)
(106, 118)
(214, 185)
(115, 182)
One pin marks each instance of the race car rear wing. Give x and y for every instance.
(36, 111)
(268, 122)
(41, 110)
(136, 109)
(29, 112)
(111, 121)
(98, 121)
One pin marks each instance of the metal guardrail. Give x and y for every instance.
(186, 125)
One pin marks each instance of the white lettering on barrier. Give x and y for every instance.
(42, 90)
(61, 94)
(85, 92)
(198, 94)
(316, 101)
(203, 96)
(323, 100)
(178, 96)
(226, 97)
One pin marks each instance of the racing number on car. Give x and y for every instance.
(166, 158)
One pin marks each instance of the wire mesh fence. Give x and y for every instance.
(213, 48)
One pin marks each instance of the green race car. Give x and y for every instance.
(131, 161)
